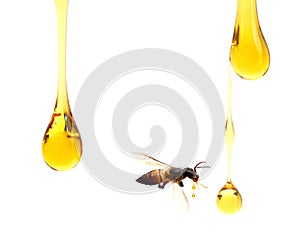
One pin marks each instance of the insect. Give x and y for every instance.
(169, 174)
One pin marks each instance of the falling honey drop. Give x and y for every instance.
(193, 189)
(249, 53)
(61, 146)
(229, 199)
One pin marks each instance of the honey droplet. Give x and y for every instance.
(62, 145)
(193, 189)
(229, 200)
(249, 53)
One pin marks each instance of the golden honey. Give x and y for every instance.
(62, 146)
(229, 200)
(193, 190)
(249, 53)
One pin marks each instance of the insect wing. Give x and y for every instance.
(179, 197)
(151, 161)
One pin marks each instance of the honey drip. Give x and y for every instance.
(249, 53)
(61, 146)
(229, 200)
(193, 190)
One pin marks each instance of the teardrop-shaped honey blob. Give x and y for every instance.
(229, 200)
(249, 53)
(62, 145)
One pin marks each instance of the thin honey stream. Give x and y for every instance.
(62, 146)
(229, 199)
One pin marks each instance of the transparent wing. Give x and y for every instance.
(150, 160)
(179, 197)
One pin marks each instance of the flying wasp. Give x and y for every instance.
(169, 174)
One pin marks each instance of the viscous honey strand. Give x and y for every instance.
(62, 146)
(229, 200)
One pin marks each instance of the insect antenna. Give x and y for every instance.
(197, 166)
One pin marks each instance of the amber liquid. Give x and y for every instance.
(249, 53)
(193, 190)
(62, 146)
(229, 199)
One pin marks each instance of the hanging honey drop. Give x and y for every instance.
(62, 146)
(229, 200)
(249, 53)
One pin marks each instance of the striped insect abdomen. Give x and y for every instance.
(153, 177)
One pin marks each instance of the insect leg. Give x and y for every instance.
(163, 183)
(199, 185)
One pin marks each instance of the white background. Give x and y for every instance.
(38, 203)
